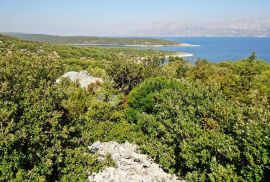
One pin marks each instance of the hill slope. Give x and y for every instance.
(203, 121)
(85, 40)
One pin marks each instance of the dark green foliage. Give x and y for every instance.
(38, 135)
(79, 163)
(127, 73)
(203, 121)
(197, 132)
(91, 40)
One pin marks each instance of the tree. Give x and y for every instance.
(128, 73)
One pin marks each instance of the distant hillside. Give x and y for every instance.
(13, 44)
(84, 40)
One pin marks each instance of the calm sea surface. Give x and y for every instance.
(220, 49)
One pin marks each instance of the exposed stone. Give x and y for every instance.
(41, 51)
(23, 50)
(55, 54)
(94, 147)
(131, 165)
(82, 77)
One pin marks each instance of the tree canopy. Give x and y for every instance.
(204, 121)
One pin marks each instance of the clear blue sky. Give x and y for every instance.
(86, 17)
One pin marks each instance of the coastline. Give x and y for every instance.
(137, 45)
(176, 54)
(188, 45)
(179, 55)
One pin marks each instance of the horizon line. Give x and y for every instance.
(137, 36)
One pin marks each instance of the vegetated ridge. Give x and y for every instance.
(86, 40)
(202, 122)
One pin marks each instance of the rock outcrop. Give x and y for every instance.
(82, 77)
(131, 165)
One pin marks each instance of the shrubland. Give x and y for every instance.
(204, 121)
(91, 40)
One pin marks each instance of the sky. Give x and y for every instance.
(124, 17)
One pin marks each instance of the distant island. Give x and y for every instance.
(97, 41)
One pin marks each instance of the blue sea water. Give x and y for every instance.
(217, 49)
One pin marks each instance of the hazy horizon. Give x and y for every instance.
(137, 18)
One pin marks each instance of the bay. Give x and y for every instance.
(216, 49)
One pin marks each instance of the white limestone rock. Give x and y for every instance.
(131, 165)
(82, 77)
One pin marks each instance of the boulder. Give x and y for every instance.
(82, 77)
(131, 165)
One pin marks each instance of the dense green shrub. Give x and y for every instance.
(197, 132)
(129, 73)
(203, 121)
(39, 136)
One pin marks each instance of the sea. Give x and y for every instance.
(217, 49)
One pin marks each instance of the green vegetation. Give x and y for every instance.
(203, 121)
(91, 40)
